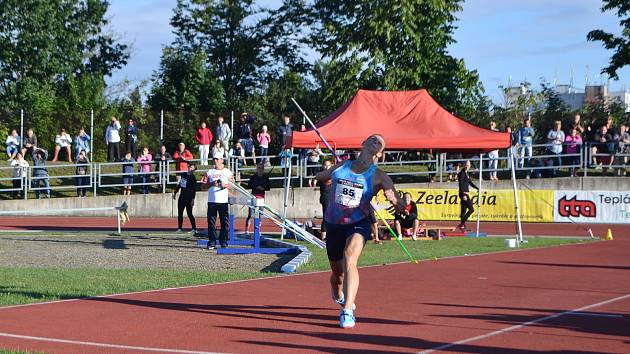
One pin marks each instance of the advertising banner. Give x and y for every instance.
(602, 207)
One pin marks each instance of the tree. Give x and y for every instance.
(621, 45)
(394, 45)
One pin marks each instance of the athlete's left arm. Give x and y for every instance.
(384, 182)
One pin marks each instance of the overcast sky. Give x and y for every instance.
(498, 38)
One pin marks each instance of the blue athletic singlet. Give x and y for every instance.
(350, 195)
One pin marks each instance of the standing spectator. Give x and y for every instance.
(131, 137)
(219, 179)
(112, 137)
(264, 139)
(224, 134)
(303, 153)
(285, 156)
(188, 185)
(30, 144)
(18, 174)
(127, 169)
(312, 161)
(466, 205)
(574, 146)
(13, 144)
(493, 156)
(555, 139)
(218, 148)
(244, 135)
(204, 138)
(285, 130)
(161, 159)
(82, 180)
(63, 141)
(577, 124)
(623, 149)
(525, 140)
(82, 143)
(407, 219)
(258, 183)
(324, 196)
(40, 173)
(605, 146)
(181, 157)
(144, 167)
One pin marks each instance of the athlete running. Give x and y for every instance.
(347, 219)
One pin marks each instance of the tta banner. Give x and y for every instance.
(592, 207)
(496, 205)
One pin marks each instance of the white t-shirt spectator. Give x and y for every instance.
(555, 139)
(218, 194)
(111, 134)
(63, 140)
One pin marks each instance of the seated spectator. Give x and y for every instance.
(573, 147)
(127, 170)
(13, 144)
(30, 144)
(239, 153)
(604, 142)
(82, 180)
(144, 167)
(18, 174)
(40, 173)
(264, 139)
(407, 220)
(623, 149)
(82, 143)
(312, 161)
(555, 139)
(244, 134)
(63, 141)
(218, 149)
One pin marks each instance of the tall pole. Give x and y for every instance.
(22, 126)
(519, 237)
(232, 122)
(479, 194)
(161, 127)
(287, 186)
(92, 135)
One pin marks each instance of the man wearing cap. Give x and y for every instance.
(218, 179)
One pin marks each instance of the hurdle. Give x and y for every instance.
(121, 212)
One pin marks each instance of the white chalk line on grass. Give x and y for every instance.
(280, 276)
(524, 324)
(103, 345)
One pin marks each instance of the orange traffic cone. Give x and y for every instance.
(609, 235)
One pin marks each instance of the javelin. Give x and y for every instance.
(321, 137)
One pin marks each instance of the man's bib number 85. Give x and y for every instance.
(348, 193)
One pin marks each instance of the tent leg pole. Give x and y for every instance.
(479, 194)
(287, 185)
(519, 237)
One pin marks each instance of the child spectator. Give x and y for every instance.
(224, 134)
(313, 164)
(18, 174)
(63, 141)
(217, 149)
(493, 156)
(112, 137)
(144, 167)
(13, 144)
(264, 139)
(285, 156)
(574, 146)
(40, 173)
(238, 153)
(127, 169)
(82, 180)
(30, 144)
(82, 143)
(203, 136)
(131, 136)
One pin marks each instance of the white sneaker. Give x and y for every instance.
(414, 238)
(179, 231)
(400, 237)
(192, 232)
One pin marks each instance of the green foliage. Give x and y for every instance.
(620, 45)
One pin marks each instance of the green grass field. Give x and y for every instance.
(28, 285)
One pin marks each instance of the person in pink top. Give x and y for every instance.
(263, 140)
(204, 138)
(573, 146)
(144, 167)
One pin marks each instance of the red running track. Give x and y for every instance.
(568, 298)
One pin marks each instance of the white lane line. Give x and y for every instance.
(284, 275)
(509, 329)
(104, 345)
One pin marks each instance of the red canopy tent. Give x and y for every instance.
(406, 119)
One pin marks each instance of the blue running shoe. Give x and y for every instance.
(346, 319)
(342, 302)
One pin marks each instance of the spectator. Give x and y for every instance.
(219, 179)
(244, 134)
(555, 139)
(131, 137)
(188, 185)
(466, 205)
(604, 143)
(13, 144)
(312, 161)
(324, 196)
(112, 138)
(218, 148)
(161, 159)
(264, 139)
(63, 141)
(577, 124)
(18, 174)
(144, 167)
(259, 183)
(407, 219)
(574, 146)
(127, 169)
(239, 154)
(525, 140)
(204, 137)
(82, 180)
(285, 130)
(82, 143)
(40, 173)
(285, 156)
(181, 157)
(30, 144)
(303, 153)
(493, 156)
(224, 134)
(623, 149)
